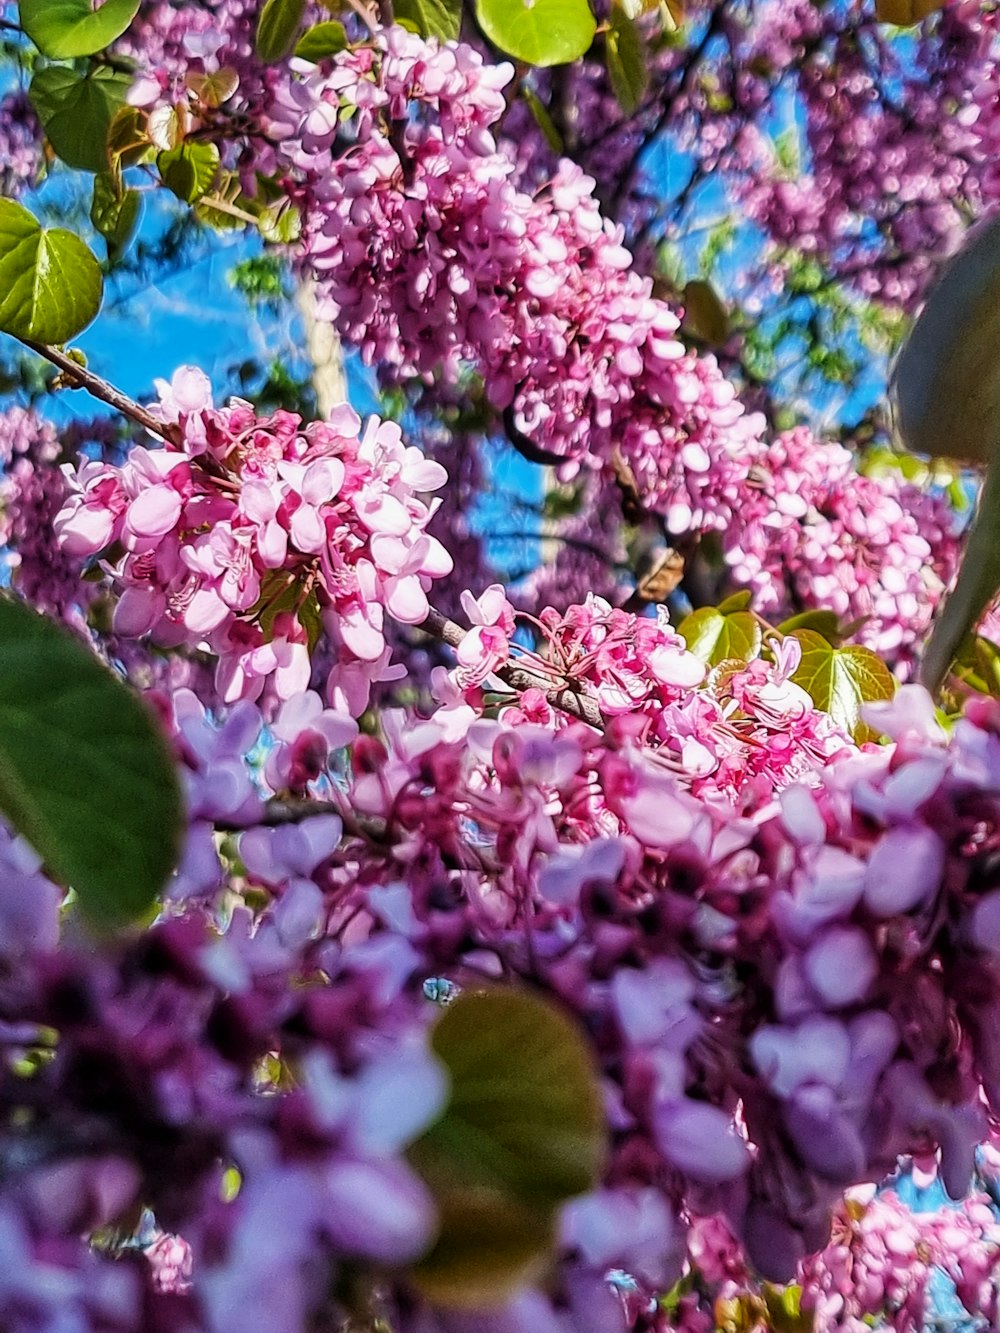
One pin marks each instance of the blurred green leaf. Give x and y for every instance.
(85, 774)
(114, 211)
(625, 53)
(523, 1131)
(278, 27)
(432, 18)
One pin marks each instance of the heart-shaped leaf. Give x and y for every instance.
(539, 32)
(114, 211)
(717, 636)
(76, 112)
(50, 283)
(840, 680)
(65, 29)
(190, 169)
(85, 773)
(523, 1132)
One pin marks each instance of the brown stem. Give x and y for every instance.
(581, 706)
(100, 388)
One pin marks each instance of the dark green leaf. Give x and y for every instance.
(76, 112)
(543, 32)
(716, 636)
(50, 283)
(190, 169)
(322, 40)
(704, 314)
(85, 773)
(114, 211)
(840, 680)
(65, 29)
(432, 18)
(278, 27)
(736, 601)
(523, 1132)
(625, 53)
(545, 123)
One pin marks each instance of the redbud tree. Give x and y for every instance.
(405, 932)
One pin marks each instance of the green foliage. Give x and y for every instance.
(977, 665)
(50, 283)
(85, 774)
(824, 623)
(523, 1131)
(278, 27)
(431, 18)
(260, 278)
(114, 211)
(543, 120)
(625, 54)
(704, 314)
(321, 40)
(65, 29)
(546, 32)
(724, 633)
(840, 680)
(76, 111)
(190, 169)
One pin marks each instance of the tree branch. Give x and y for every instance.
(82, 378)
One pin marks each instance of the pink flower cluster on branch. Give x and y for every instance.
(254, 535)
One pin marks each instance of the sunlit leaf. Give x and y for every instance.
(50, 283)
(322, 40)
(65, 29)
(190, 169)
(717, 636)
(542, 32)
(840, 680)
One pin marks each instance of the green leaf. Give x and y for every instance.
(432, 18)
(278, 27)
(545, 123)
(114, 212)
(190, 169)
(85, 773)
(321, 40)
(523, 1131)
(826, 623)
(65, 29)
(704, 314)
(544, 32)
(50, 283)
(736, 601)
(214, 89)
(717, 636)
(840, 680)
(784, 1309)
(76, 112)
(625, 55)
(977, 664)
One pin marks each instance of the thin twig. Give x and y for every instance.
(101, 389)
(581, 706)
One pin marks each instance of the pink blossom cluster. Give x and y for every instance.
(20, 136)
(251, 535)
(430, 258)
(813, 532)
(887, 182)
